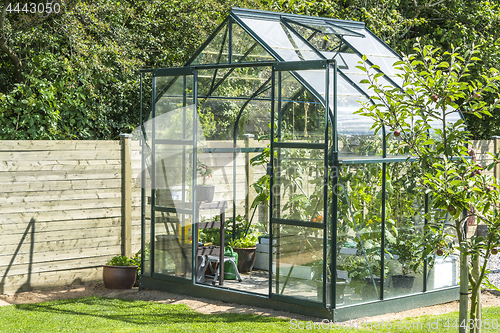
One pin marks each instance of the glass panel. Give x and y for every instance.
(377, 52)
(246, 48)
(356, 139)
(324, 27)
(143, 176)
(442, 271)
(325, 42)
(297, 262)
(303, 116)
(350, 61)
(173, 230)
(298, 184)
(173, 244)
(170, 167)
(217, 51)
(210, 79)
(359, 233)
(404, 229)
(273, 34)
(304, 52)
(241, 99)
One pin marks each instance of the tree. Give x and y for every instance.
(80, 66)
(16, 61)
(436, 84)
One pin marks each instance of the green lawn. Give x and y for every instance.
(99, 314)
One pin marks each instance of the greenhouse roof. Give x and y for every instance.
(254, 36)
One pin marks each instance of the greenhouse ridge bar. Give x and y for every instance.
(258, 132)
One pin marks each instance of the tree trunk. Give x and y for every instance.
(475, 302)
(464, 288)
(475, 310)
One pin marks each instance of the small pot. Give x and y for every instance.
(119, 277)
(205, 193)
(403, 281)
(246, 259)
(368, 291)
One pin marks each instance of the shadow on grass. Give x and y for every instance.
(137, 312)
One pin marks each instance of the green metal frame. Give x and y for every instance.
(332, 161)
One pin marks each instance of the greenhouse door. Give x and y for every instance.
(169, 154)
(298, 183)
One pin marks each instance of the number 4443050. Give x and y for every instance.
(48, 8)
(486, 323)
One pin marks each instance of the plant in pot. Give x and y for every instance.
(408, 249)
(204, 192)
(120, 272)
(364, 269)
(341, 283)
(245, 246)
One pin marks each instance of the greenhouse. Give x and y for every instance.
(261, 186)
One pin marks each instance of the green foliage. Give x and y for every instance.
(408, 247)
(213, 235)
(81, 66)
(101, 314)
(436, 84)
(119, 260)
(245, 242)
(204, 171)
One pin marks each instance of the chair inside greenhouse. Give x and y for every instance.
(259, 132)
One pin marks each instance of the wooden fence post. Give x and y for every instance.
(249, 174)
(497, 147)
(126, 176)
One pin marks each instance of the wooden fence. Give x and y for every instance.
(61, 210)
(66, 207)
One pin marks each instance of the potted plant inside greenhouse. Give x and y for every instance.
(341, 280)
(245, 247)
(204, 192)
(407, 249)
(120, 272)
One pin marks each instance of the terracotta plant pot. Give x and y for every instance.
(246, 259)
(119, 277)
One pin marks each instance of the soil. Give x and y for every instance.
(208, 306)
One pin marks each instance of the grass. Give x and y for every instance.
(100, 314)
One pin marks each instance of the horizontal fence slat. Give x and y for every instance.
(76, 214)
(18, 228)
(56, 266)
(59, 144)
(29, 281)
(62, 244)
(57, 256)
(6, 166)
(62, 185)
(51, 236)
(42, 196)
(58, 155)
(59, 205)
